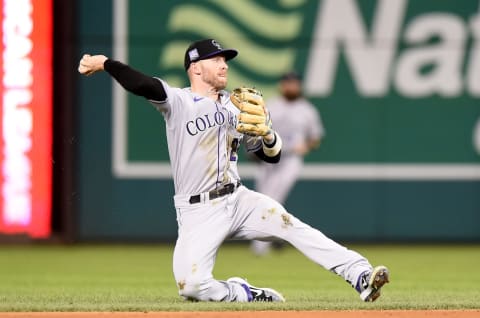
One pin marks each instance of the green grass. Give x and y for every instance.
(139, 278)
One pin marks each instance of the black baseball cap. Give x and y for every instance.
(292, 75)
(205, 49)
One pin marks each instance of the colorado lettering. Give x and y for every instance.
(205, 122)
(232, 119)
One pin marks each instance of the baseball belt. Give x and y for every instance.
(217, 193)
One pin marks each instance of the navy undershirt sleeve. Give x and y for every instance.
(135, 81)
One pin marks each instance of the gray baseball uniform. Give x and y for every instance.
(296, 122)
(211, 204)
(203, 144)
(476, 136)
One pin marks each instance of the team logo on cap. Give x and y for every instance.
(215, 43)
(193, 54)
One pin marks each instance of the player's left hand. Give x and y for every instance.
(301, 149)
(254, 118)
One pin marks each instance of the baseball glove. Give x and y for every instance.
(254, 119)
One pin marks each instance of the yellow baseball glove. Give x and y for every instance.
(254, 119)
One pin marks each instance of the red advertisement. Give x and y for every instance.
(26, 117)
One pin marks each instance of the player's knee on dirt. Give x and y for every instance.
(189, 291)
(212, 290)
(193, 289)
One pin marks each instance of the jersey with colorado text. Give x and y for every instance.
(202, 140)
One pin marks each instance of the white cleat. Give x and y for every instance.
(372, 283)
(257, 293)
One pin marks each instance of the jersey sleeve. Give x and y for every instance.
(252, 143)
(173, 100)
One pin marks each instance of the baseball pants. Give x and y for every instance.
(245, 214)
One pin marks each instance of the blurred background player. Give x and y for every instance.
(298, 123)
(476, 136)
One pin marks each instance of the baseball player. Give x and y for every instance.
(300, 134)
(205, 125)
(476, 136)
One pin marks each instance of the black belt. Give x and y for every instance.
(217, 193)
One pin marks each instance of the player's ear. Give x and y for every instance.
(195, 67)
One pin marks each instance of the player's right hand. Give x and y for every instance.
(90, 64)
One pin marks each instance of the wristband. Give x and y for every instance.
(274, 148)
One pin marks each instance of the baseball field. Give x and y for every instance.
(137, 280)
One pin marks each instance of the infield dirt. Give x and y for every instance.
(257, 314)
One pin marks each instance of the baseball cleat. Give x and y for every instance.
(369, 284)
(257, 293)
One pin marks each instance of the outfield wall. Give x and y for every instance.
(397, 86)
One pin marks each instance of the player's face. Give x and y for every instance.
(291, 89)
(214, 72)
